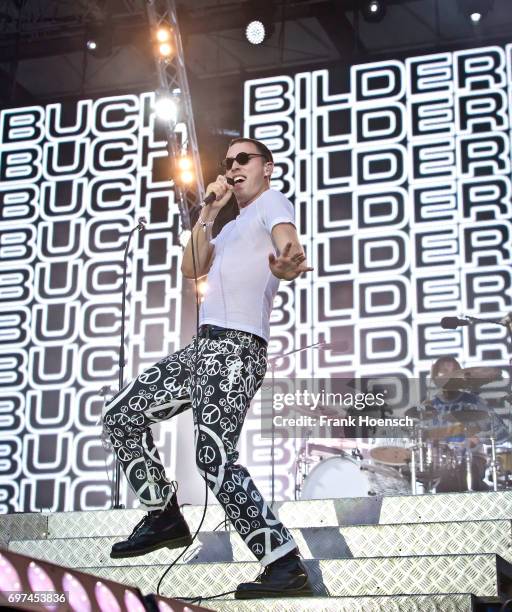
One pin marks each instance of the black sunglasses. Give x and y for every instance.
(241, 158)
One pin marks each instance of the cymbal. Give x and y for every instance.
(467, 416)
(471, 378)
(419, 413)
(450, 431)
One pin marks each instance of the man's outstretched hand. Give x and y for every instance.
(286, 266)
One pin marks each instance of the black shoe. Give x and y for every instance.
(285, 577)
(165, 528)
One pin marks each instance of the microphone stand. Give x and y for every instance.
(122, 362)
(506, 322)
(272, 362)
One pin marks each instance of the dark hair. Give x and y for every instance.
(436, 366)
(264, 150)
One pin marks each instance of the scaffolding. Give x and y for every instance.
(173, 82)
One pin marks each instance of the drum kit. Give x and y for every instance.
(457, 451)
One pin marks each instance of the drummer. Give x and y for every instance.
(449, 400)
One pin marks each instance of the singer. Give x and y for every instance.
(244, 263)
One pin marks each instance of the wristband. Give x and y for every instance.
(204, 224)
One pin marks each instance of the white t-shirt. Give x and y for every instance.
(240, 286)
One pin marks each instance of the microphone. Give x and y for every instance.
(340, 346)
(210, 198)
(142, 223)
(507, 320)
(453, 322)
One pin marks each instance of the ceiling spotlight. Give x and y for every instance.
(98, 40)
(166, 108)
(374, 10)
(260, 21)
(475, 10)
(255, 32)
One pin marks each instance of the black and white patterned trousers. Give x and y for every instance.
(229, 372)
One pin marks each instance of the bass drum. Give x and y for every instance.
(345, 477)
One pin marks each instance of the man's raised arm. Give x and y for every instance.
(202, 232)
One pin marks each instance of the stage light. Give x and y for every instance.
(166, 108)
(255, 32)
(9, 577)
(165, 49)
(98, 40)
(185, 168)
(475, 17)
(105, 598)
(78, 600)
(187, 177)
(185, 163)
(163, 35)
(374, 10)
(133, 603)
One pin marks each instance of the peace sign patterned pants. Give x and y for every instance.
(229, 372)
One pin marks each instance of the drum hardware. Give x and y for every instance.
(418, 473)
(469, 463)
(357, 454)
(471, 378)
(493, 464)
(468, 418)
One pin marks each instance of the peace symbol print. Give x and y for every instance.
(211, 414)
(252, 511)
(150, 376)
(242, 526)
(206, 454)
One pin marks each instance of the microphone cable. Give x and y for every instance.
(195, 387)
(195, 599)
